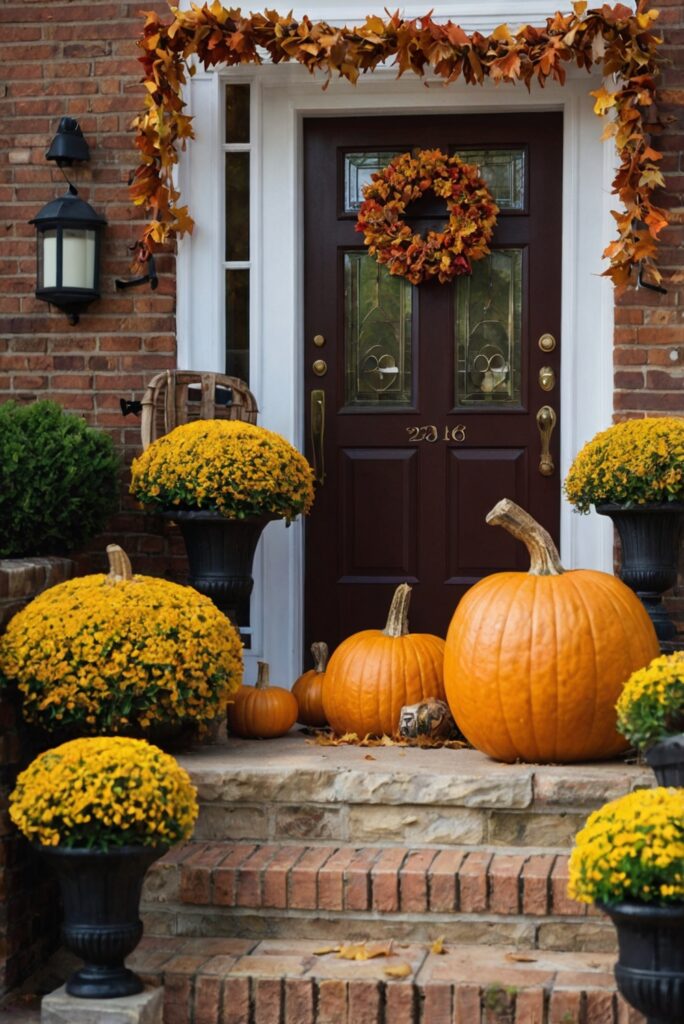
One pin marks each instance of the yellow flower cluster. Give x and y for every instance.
(651, 706)
(235, 468)
(637, 461)
(104, 792)
(91, 656)
(631, 849)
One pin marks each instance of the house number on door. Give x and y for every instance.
(430, 433)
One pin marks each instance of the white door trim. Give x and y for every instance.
(283, 97)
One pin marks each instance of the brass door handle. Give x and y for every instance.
(546, 422)
(318, 434)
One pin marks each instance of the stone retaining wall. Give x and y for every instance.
(28, 904)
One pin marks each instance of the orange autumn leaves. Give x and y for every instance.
(623, 43)
(442, 254)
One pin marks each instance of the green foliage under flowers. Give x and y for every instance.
(631, 849)
(651, 706)
(58, 480)
(631, 463)
(104, 792)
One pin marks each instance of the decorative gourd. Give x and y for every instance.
(308, 689)
(535, 661)
(373, 674)
(262, 711)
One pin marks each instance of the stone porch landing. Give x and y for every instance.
(292, 790)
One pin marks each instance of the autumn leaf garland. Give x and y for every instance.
(621, 41)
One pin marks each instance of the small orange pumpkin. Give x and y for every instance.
(535, 661)
(308, 689)
(373, 674)
(262, 711)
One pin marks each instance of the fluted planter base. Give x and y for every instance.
(220, 555)
(649, 535)
(650, 967)
(667, 761)
(101, 897)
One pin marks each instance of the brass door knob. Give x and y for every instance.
(320, 367)
(546, 422)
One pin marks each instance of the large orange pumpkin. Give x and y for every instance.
(373, 674)
(535, 661)
(263, 711)
(308, 689)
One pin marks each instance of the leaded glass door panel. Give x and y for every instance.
(427, 395)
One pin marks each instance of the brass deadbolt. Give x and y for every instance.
(547, 378)
(320, 367)
(547, 343)
(319, 340)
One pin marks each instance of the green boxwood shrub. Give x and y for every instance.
(58, 480)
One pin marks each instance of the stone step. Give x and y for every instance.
(484, 895)
(291, 789)
(237, 981)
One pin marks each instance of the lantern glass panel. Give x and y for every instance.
(78, 258)
(47, 266)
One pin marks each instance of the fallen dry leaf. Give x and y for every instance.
(326, 949)
(398, 971)
(369, 757)
(438, 945)
(521, 958)
(328, 739)
(365, 950)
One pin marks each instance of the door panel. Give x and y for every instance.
(432, 391)
(378, 550)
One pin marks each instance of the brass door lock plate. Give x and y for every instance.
(547, 378)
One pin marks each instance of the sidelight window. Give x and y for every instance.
(237, 156)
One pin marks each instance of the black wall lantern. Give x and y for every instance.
(68, 234)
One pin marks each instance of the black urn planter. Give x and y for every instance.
(667, 761)
(649, 535)
(101, 897)
(650, 967)
(220, 555)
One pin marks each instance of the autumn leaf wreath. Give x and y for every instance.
(442, 254)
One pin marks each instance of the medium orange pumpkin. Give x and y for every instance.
(308, 690)
(262, 711)
(373, 674)
(535, 661)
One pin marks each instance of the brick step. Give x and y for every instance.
(475, 896)
(237, 981)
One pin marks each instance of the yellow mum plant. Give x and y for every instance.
(651, 706)
(109, 655)
(226, 466)
(631, 849)
(634, 462)
(104, 792)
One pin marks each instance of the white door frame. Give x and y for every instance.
(283, 96)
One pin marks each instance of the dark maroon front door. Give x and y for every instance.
(427, 404)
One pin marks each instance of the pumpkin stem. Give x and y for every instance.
(319, 651)
(544, 557)
(397, 620)
(263, 679)
(119, 564)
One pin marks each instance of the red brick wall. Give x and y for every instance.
(649, 328)
(79, 59)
